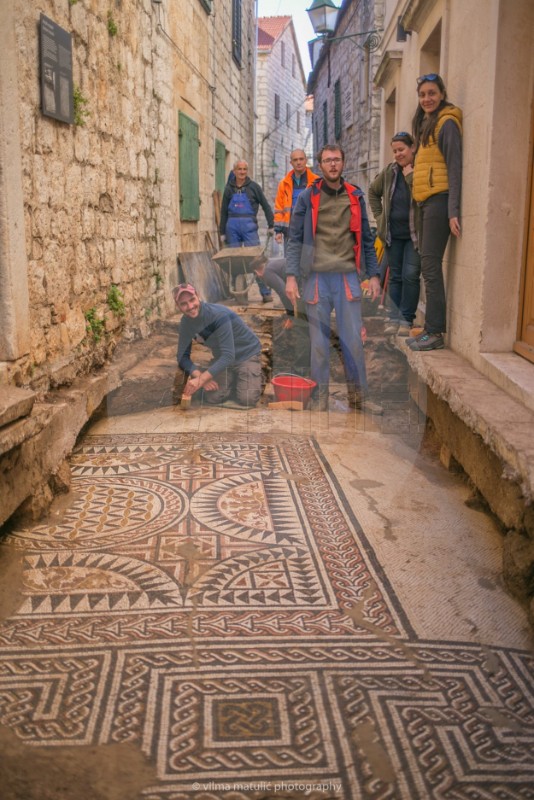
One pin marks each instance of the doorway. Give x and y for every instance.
(524, 345)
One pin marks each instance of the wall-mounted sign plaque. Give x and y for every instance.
(56, 71)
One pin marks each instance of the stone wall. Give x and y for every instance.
(352, 62)
(276, 138)
(216, 92)
(95, 215)
(98, 201)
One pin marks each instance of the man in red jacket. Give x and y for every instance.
(329, 243)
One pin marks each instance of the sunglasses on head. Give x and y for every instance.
(401, 135)
(432, 76)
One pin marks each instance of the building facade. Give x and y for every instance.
(283, 110)
(480, 391)
(347, 105)
(480, 48)
(95, 210)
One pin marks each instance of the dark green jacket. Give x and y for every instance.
(380, 194)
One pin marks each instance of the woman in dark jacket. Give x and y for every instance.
(396, 219)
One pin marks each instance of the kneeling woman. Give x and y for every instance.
(437, 184)
(396, 219)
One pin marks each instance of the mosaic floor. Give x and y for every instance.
(211, 599)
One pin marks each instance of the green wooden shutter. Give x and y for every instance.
(325, 123)
(337, 109)
(188, 150)
(236, 31)
(220, 166)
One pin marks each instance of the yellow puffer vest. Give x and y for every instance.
(430, 170)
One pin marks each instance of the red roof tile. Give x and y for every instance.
(269, 30)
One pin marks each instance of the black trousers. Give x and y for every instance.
(434, 237)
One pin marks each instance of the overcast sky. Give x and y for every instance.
(301, 21)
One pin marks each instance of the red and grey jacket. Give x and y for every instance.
(301, 241)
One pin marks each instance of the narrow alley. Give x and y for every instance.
(262, 604)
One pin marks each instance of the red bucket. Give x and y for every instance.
(293, 387)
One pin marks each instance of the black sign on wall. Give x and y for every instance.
(56, 71)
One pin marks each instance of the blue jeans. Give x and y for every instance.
(404, 280)
(323, 293)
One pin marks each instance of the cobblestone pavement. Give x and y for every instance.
(260, 604)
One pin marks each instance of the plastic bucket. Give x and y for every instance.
(293, 387)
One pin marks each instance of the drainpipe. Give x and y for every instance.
(254, 87)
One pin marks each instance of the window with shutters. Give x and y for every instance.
(220, 166)
(236, 31)
(277, 106)
(337, 109)
(298, 121)
(293, 65)
(288, 114)
(283, 53)
(325, 123)
(188, 158)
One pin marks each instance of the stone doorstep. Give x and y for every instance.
(504, 424)
(14, 404)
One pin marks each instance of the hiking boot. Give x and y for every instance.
(361, 403)
(404, 329)
(428, 341)
(391, 328)
(267, 298)
(415, 337)
(319, 401)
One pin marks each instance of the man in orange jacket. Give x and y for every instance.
(289, 188)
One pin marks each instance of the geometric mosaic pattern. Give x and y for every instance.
(211, 599)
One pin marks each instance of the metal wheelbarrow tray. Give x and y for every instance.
(236, 264)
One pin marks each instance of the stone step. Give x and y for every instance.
(15, 403)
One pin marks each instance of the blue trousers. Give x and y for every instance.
(404, 280)
(244, 230)
(323, 293)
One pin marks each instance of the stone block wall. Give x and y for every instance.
(216, 92)
(99, 201)
(276, 138)
(352, 62)
(95, 213)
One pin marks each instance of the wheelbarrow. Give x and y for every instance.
(237, 264)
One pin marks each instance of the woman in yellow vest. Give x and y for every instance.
(437, 184)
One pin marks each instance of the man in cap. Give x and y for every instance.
(236, 365)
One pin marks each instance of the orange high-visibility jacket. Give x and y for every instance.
(284, 199)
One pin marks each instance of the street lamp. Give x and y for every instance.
(323, 16)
